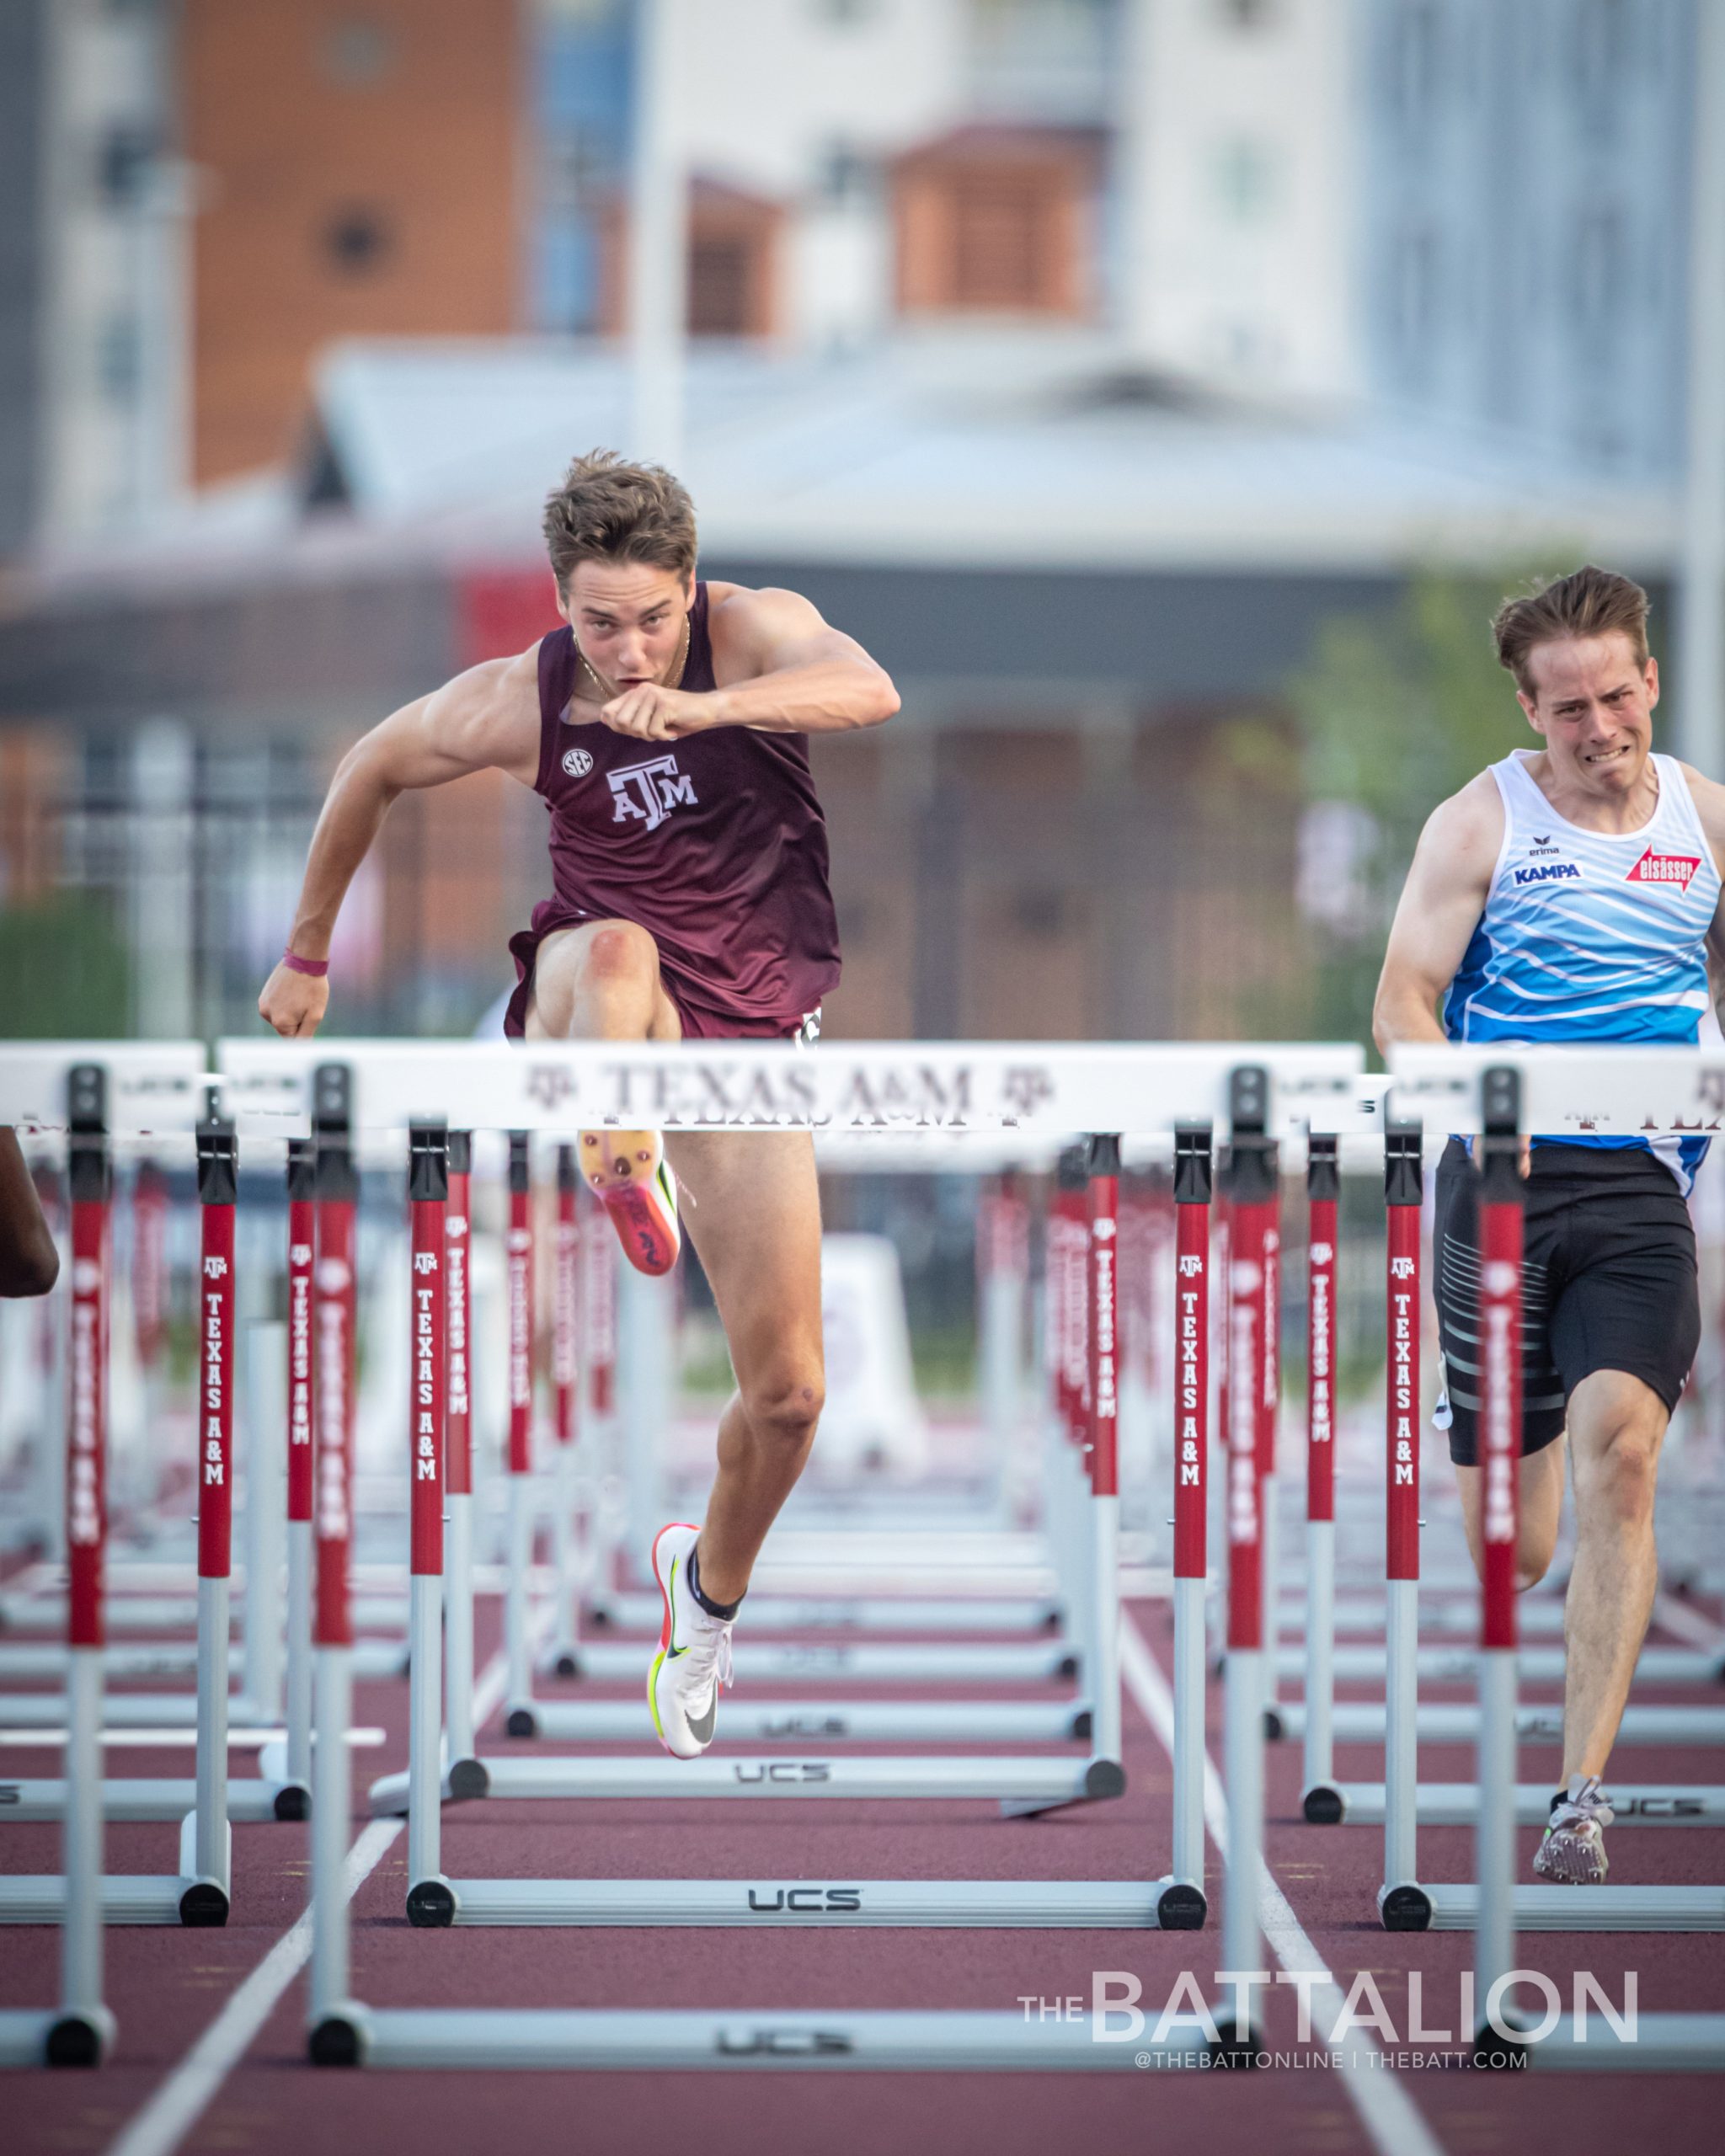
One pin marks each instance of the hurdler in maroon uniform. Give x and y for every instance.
(714, 844)
(666, 726)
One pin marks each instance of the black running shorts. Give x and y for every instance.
(1608, 1284)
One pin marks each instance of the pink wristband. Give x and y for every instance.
(316, 968)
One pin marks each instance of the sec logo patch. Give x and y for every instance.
(577, 762)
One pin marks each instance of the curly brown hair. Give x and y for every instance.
(1591, 602)
(609, 510)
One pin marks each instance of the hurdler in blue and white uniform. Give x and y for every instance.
(1572, 894)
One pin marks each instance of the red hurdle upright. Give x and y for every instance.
(1500, 1244)
(302, 1247)
(518, 1277)
(466, 1775)
(206, 1863)
(1252, 1206)
(334, 1304)
(1323, 1189)
(1401, 1901)
(428, 1202)
(1192, 1231)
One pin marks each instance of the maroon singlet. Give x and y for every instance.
(715, 845)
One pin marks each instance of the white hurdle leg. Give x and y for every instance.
(266, 1423)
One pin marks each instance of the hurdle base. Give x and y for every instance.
(1181, 1906)
(341, 2037)
(821, 1722)
(597, 2040)
(147, 1799)
(1276, 1725)
(1588, 1909)
(1456, 1804)
(1664, 2043)
(1405, 1907)
(1494, 2052)
(465, 1780)
(1324, 1805)
(84, 2038)
(127, 1897)
(431, 1904)
(520, 1722)
(1103, 1779)
(881, 1904)
(1237, 2045)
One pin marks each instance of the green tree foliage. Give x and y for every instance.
(1397, 711)
(64, 972)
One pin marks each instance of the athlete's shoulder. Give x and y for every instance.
(489, 713)
(1470, 823)
(1709, 798)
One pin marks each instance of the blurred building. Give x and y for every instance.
(1081, 357)
(1524, 251)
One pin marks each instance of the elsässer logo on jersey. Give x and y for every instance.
(1678, 868)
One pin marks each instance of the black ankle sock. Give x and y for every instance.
(724, 1610)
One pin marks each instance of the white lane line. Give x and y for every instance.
(1390, 2116)
(175, 2108)
(180, 2102)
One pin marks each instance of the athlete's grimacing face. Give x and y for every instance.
(1594, 702)
(629, 618)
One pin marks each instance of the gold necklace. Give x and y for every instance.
(606, 693)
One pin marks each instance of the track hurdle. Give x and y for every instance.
(1512, 1091)
(197, 1894)
(344, 2031)
(866, 1661)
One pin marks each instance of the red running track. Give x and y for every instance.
(167, 1987)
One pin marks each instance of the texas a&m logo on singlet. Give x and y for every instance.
(1678, 868)
(646, 793)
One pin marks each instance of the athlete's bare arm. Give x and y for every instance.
(486, 719)
(1709, 798)
(1441, 902)
(779, 668)
(29, 1261)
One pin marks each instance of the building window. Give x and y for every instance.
(733, 273)
(999, 237)
(356, 241)
(718, 286)
(995, 221)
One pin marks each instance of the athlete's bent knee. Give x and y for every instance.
(621, 951)
(784, 1407)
